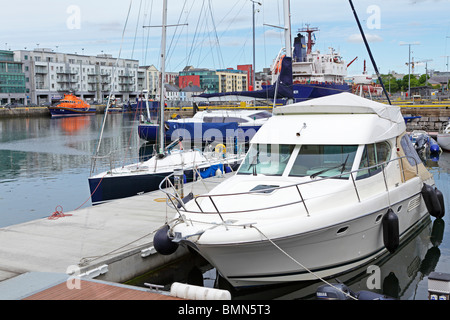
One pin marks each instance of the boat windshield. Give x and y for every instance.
(323, 160)
(267, 159)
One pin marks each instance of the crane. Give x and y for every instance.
(352, 62)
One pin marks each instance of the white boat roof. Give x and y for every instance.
(339, 119)
(342, 103)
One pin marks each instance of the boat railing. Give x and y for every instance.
(119, 158)
(179, 203)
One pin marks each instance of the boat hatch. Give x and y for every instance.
(263, 188)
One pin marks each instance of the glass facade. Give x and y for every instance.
(12, 78)
(209, 80)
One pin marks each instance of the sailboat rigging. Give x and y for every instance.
(369, 51)
(138, 178)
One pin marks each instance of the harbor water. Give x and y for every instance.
(45, 164)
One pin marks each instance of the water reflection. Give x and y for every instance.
(73, 125)
(45, 162)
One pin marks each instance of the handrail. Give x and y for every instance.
(296, 185)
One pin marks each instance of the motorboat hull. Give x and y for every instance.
(62, 111)
(325, 252)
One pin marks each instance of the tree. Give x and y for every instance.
(390, 83)
(414, 82)
(423, 79)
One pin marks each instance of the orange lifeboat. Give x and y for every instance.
(71, 105)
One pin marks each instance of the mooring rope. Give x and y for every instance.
(301, 265)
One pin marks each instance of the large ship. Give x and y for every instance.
(305, 74)
(315, 74)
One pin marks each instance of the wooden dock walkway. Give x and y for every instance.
(112, 241)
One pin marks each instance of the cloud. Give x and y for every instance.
(271, 33)
(357, 38)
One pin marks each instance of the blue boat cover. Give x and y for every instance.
(201, 130)
(211, 171)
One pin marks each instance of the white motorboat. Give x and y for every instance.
(328, 185)
(443, 138)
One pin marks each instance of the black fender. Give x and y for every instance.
(391, 233)
(432, 201)
(163, 243)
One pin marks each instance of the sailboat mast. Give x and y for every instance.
(287, 27)
(163, 77)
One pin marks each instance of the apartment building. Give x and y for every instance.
(49, 75)
(231, 80)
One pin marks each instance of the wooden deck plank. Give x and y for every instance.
(90, 290)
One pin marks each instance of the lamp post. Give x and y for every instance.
(447, 68)
(409, 64)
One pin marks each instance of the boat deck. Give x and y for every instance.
(112, 241)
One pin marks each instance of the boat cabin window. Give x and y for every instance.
(213, 119)
(324, 160)
(233, 119)
(223, 119)
(267, 159)
(260, 115)
(373, 155)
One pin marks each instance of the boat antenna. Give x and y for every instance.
(370, 52)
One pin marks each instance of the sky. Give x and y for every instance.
(217, 34)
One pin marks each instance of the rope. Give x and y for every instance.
(58, 213)
(301, 265)
(86, 260)
(284, 252)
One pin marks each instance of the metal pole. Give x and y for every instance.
(254, 41)
(409, 65)
(254, 58)
(287, 27)
(163, 76)
(409, 72)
